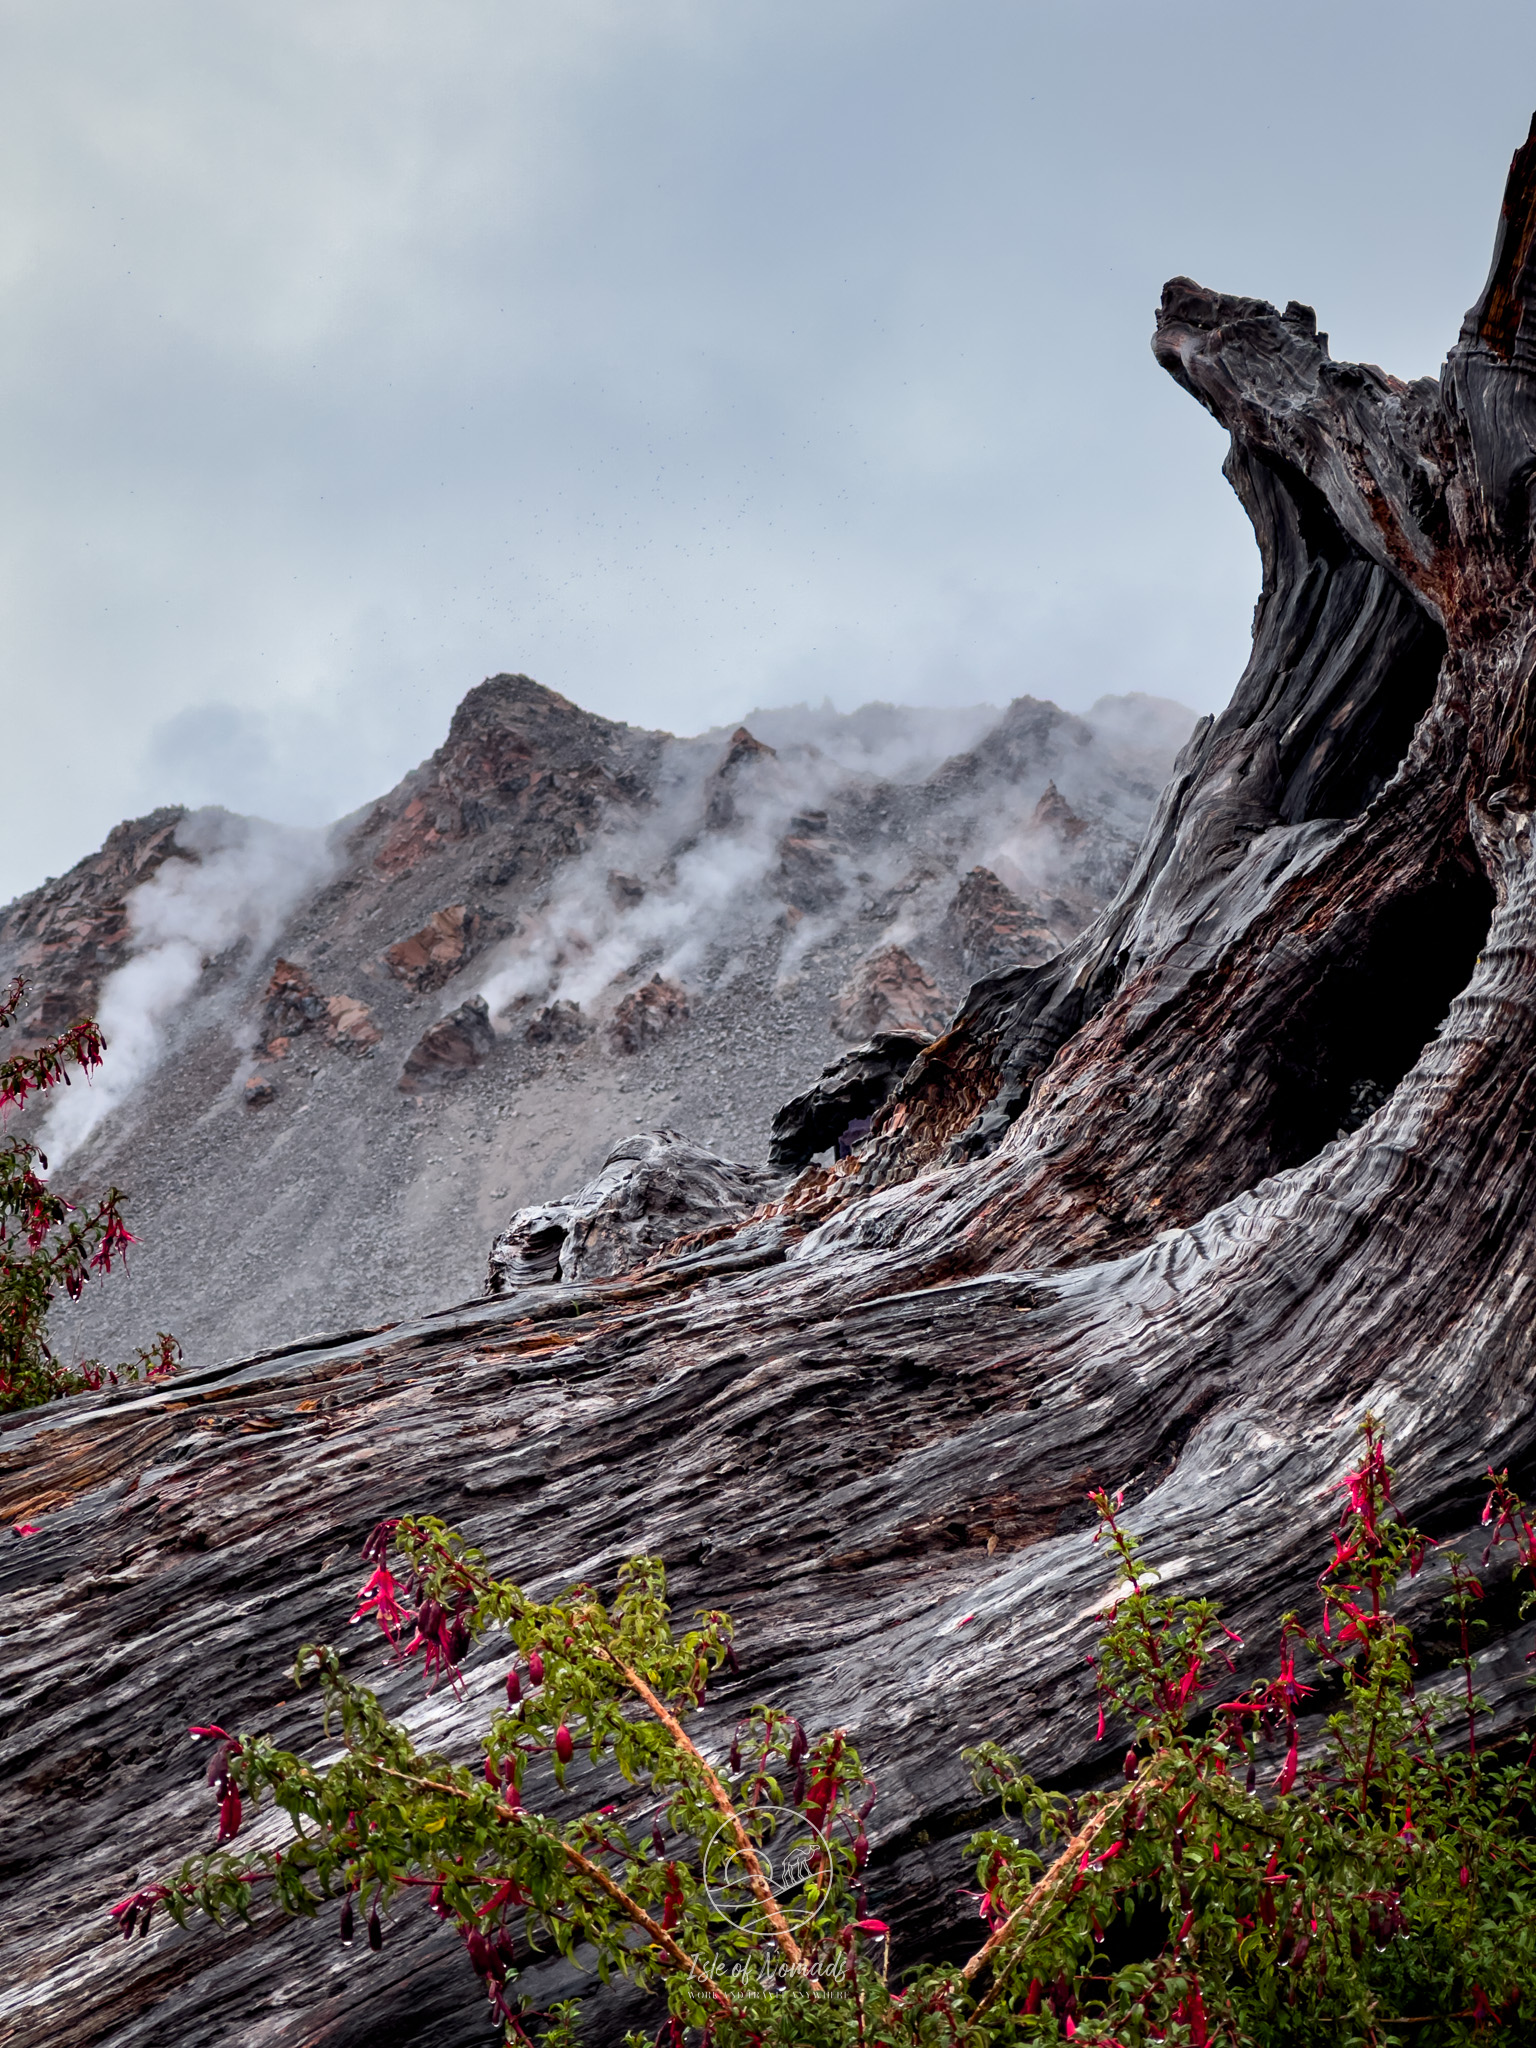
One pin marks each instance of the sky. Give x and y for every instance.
(687, 356)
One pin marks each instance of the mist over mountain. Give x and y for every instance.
(339, 1062)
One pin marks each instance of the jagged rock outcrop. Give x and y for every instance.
(739, 776)
(450, 938)
(293, 1005)
(849, 1092)
(890, 991)
(647, 1014)
(455, 1043)
(523, 771)
(988, 928)
(654, 1188)
(577, 850)
(810, 876)
(1052, 813)
(70, 934)
(1104, 1235)
(558, 1024)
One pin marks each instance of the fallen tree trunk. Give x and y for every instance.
(1169, 1212)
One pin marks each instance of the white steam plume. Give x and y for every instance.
(244, 877)
(707, 900)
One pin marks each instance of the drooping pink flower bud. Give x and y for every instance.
(1129, 1766)
(565, 1749)
(229, 1816)
(344, 1925)
(375, 1930)
(535, 1667)
(514, 1687)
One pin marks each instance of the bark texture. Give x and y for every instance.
(1167, 1212)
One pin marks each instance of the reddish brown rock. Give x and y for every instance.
(350, 1026)
(988, 928)
(1054, 814)
(523, 769)
(435, 954)
(293, 1005)
(809, 875)
(889, 992)
(646, 1014)
(742, 765)
(455, 1043)
(69, 935)
(558, 1024)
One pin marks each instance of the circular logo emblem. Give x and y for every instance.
(789, 1854)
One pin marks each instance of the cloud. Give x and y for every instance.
(684, 357)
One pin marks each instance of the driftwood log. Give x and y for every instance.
(1168, 1212)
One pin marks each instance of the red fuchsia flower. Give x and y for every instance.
(514, 1687)
(1287, 1777)
(442, 1638)
(565, 1748)
(380, 1537)
(380, 1597)
(25, 1529)
(133, 1913)
(113, 1243)
(877, 1928)
(229, 1816)
(535, 1668)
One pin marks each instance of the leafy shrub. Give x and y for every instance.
(45, 1242)
(1378, 1888)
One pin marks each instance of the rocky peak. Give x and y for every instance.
(740, 766)
(68, 935)
(988, 927)
(541, 944)
(1054, 814)
(889, 992)
(517, 755)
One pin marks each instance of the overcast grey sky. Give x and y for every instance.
(687, 355)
